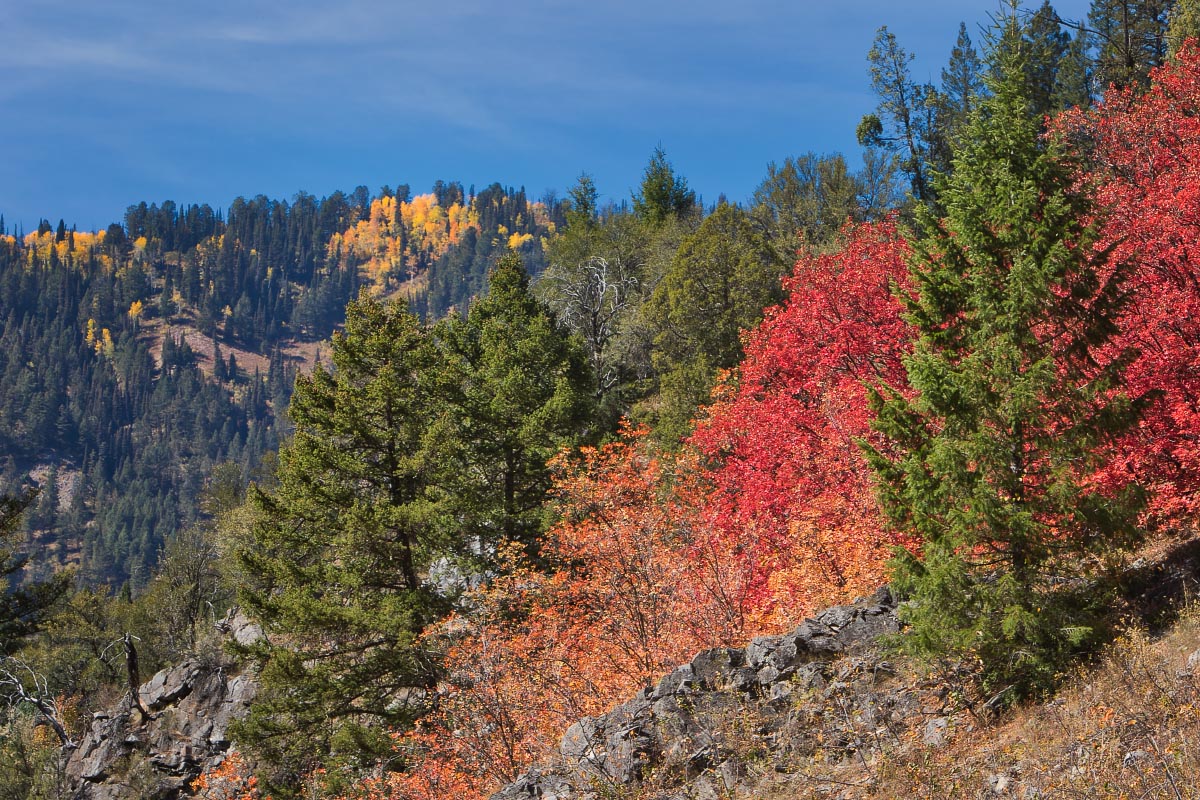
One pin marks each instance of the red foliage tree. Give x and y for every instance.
(790, 481)
(1145, 167)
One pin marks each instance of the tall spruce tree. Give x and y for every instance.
(1073, 83)
(515, 389)
(341, 548)
(1012, 401)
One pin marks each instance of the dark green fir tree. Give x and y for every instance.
(515, 389)
(664, 194)
(341, 549)
(1012, 403)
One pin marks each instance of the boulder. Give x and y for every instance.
(127, 755)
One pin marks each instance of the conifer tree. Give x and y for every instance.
(1131, 39)
(719, 282)
(663, 194)
(1184, 24)
(23, 608)
(962, 85)
(1046, 45)
(905, 120)
(514, 389)
(1073, 83)
(341, 547)
(1011, 403)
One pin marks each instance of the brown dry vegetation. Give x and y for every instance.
(1127, 727)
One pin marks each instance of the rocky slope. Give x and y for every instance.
(721, 723)
(127, 754)
(827, 712)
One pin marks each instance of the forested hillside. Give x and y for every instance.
(138, 358)
(536, 455)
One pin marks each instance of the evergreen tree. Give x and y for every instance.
(515, 389)
(1131, 39)
(583, 206)
(341, 547)
(1073, 83)
(1046, 45)
(1184, 24)
(23, 606)
(721, 279)
(663, 194)
(905, 120)
(805, 202)
(1011, 404)
(962, 85)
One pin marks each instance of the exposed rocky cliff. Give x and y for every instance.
(727, 719)
(128, 754)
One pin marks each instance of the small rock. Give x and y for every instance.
(682, 679)
(713, 668)
(760, 649)
(935, 731)
(582, 742)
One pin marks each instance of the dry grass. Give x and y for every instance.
(1128, 727)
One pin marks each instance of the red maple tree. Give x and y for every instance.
(1144, 165)
(790, 481)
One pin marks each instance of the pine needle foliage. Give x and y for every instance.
(341, 547)
(1013, 398)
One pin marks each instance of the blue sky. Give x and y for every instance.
(109, 103)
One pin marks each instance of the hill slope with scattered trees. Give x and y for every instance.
(538, 454)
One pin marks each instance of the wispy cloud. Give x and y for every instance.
(155, 95)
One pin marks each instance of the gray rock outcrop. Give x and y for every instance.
(191, 706)
(701, 721)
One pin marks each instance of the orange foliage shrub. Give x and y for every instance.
(231, 780)
(637, 586)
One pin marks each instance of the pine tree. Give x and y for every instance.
(342, 545)
(1011, 403)
(905, 121)
(515, 389)
(1131, 39)
(23, 606)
